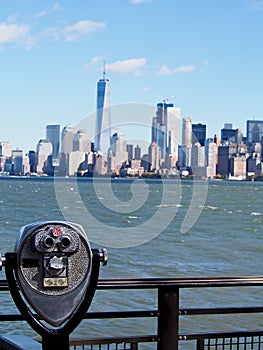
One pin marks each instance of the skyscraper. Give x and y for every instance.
(137, 152)
(67, 139)
(228, 134)
(81, 141)
(254, 131)
(103, 120)
(5, 149)
(53, 136)
(187, 140)
(199, 133)
(167, 129)
(44, 150)
(129, 149)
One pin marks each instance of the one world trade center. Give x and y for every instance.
(103, 119)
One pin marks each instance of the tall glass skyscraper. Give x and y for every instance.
(254, 131)
(103, 120)
(167, 128)
(53, 136)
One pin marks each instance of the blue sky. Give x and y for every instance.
(205, 56)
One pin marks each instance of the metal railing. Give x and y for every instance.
(168, 314)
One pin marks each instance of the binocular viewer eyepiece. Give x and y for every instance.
(54, 271)
(55, 239)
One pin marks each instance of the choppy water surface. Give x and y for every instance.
(226, 240)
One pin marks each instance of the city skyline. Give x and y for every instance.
(52, 128)
(177, 147)
(204, 57)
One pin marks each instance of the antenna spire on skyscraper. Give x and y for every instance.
(104, 68)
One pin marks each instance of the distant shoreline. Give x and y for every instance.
(120, 179)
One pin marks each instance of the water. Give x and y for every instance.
(226, 240)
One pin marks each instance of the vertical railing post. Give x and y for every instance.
(168, 318)
(200, 344)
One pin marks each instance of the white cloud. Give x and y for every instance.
(81, 29)
(93, 62)
(56, 7)
(41, 14)
(13, 33)
(132, 65)
(164, 70)
(22, 34)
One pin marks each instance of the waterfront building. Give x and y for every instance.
(67, 137)
(137, 152)
(8, 165)
(44, 150)
(103, 118)
(91, 161)
(174, 131)
(5, 149)
(2, 163)
(259, 169)
(199, 133)
(61, 169)
(238, 166)
(198, 163)
(198, 155)
(252, 162)
(187, 141)
(225, 152)
(145, 162)
(26, 165)
(129, 149)
(254, 131)
(32, 161)
(135, 163)
(17, 160)
(154, 156)
(167, 129)
(170, 161)
(154, 128)
(100, 167)
(217, 140)
(53, 136)
(74, 160)
(256, 147)
(228, 134)
(86, 168)
(211, 151)
(118, 152)
(81, 141)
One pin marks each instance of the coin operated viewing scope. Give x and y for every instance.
(54, 272)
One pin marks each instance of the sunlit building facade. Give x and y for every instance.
(103, 118)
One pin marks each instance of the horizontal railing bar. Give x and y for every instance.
(121, 314)
(151, 313)
(155, 283)
(218, 335)
(11, 317)
(92, 315)
(113, 340)
(218, 311)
